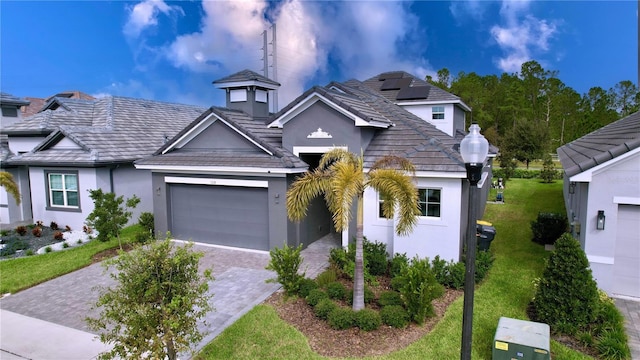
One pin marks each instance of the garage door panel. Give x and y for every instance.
(222, 215)
(626, 269)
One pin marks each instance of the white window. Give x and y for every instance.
(238, 95)
(63, 190)
(261, 96)
(429, 200)
(437, 113)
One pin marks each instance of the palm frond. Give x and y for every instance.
(346, 184)
(336, 155)
(9, 184)
(398, 191)
(304, 190)
(394, 162)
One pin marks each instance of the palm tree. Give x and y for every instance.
(340, 178)
(9, 184)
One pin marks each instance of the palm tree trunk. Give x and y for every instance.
(358, 277)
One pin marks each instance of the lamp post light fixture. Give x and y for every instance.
(474, 149)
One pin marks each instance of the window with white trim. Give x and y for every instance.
(429, 201)
(437, 113)
(380, 202)
(62, 188)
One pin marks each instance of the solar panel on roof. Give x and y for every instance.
(391, 75)
(413, 93)
(395, 84)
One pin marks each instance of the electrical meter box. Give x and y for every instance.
(521, 340)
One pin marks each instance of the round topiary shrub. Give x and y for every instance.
(567, 296)
(368, 319)
(341, 318)
(336, 290)
(394, 315)
(389, 298)
(306, 285)
(324, 307)
(397, 282)
(315, 296)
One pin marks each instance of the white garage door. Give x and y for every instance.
(626, 269)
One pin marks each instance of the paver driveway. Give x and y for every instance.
(238, 286)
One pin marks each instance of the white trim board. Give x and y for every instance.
(216, 182)
(626, 200)
(220, 170)
(297, 150)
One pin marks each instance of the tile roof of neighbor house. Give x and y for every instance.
(601, 145)
(268, 138)
(112, 130)
(8, 99)
(246, 75)
(37, 104)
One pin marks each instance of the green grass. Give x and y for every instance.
(506, 291)
(25, 272)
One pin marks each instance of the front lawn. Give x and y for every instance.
(506, 292)
(24, 272)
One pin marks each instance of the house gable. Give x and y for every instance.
(219, 137)
(65, 144)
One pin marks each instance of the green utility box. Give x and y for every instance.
(518, 339)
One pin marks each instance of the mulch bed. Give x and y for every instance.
(353, 342)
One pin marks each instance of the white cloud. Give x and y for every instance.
(361, 38)
(522, 35)
(461, 10)
(145, 14)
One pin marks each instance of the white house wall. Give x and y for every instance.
(87, 180)
(425, 113)
(431, 236)
(620, 180)
(23, 144)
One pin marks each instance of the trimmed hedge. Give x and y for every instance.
(548, 227)
(525, 174)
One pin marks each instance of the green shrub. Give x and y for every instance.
(286, 263)
(440, 269)
(375, 254)
(315, 296)
(397, 263)
(65, 245)
(567, 295)
(484, 261)
(146, 222)
(29, 252)
(48, 249)
(395, 316)
(306, 285)
(369, 296)
(397, 282)
(338, 258)
(326, 277)
(548, 227)
(11, 247)
(548, 173)
(420, 289)
(523, 174)
(324, 307)
(389, 298)
(612, 344)
(336, 291)
(142, 237)
(367, 320)
(585, 338)
(455, 275)
(110, 213)
(4, 232)
(608, 317)
(341, 318)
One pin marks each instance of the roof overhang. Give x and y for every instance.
(245, 84)
(313, 98)
(587, 175)
(460, 103)
(221, 170)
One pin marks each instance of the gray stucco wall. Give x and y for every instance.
(127, 181)
(220, 137)
(21, 212)
(458, 119)
(251, 107)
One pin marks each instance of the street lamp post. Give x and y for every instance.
(473, 148)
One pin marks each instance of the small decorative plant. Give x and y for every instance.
(36, 231)
(54, 225)
(21, 230)
(67, 228)
(58, 235)
(48, 249)
(87, 229)
(65, 245)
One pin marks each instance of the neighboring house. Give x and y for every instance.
(223, 179)
(10, 114)
(602, 177)
(37, 104)
(74, 145)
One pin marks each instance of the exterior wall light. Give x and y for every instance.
(473, 149)
(572, 187)
(600, 220)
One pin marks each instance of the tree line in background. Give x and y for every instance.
(530, 114)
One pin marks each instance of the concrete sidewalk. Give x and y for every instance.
(23, 337)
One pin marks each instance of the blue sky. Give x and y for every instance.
(172, 51)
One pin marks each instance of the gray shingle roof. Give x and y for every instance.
(411, 137)
(268, 138)
(246, 75)
(112, 130)
(601, 145)
(8, 99)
